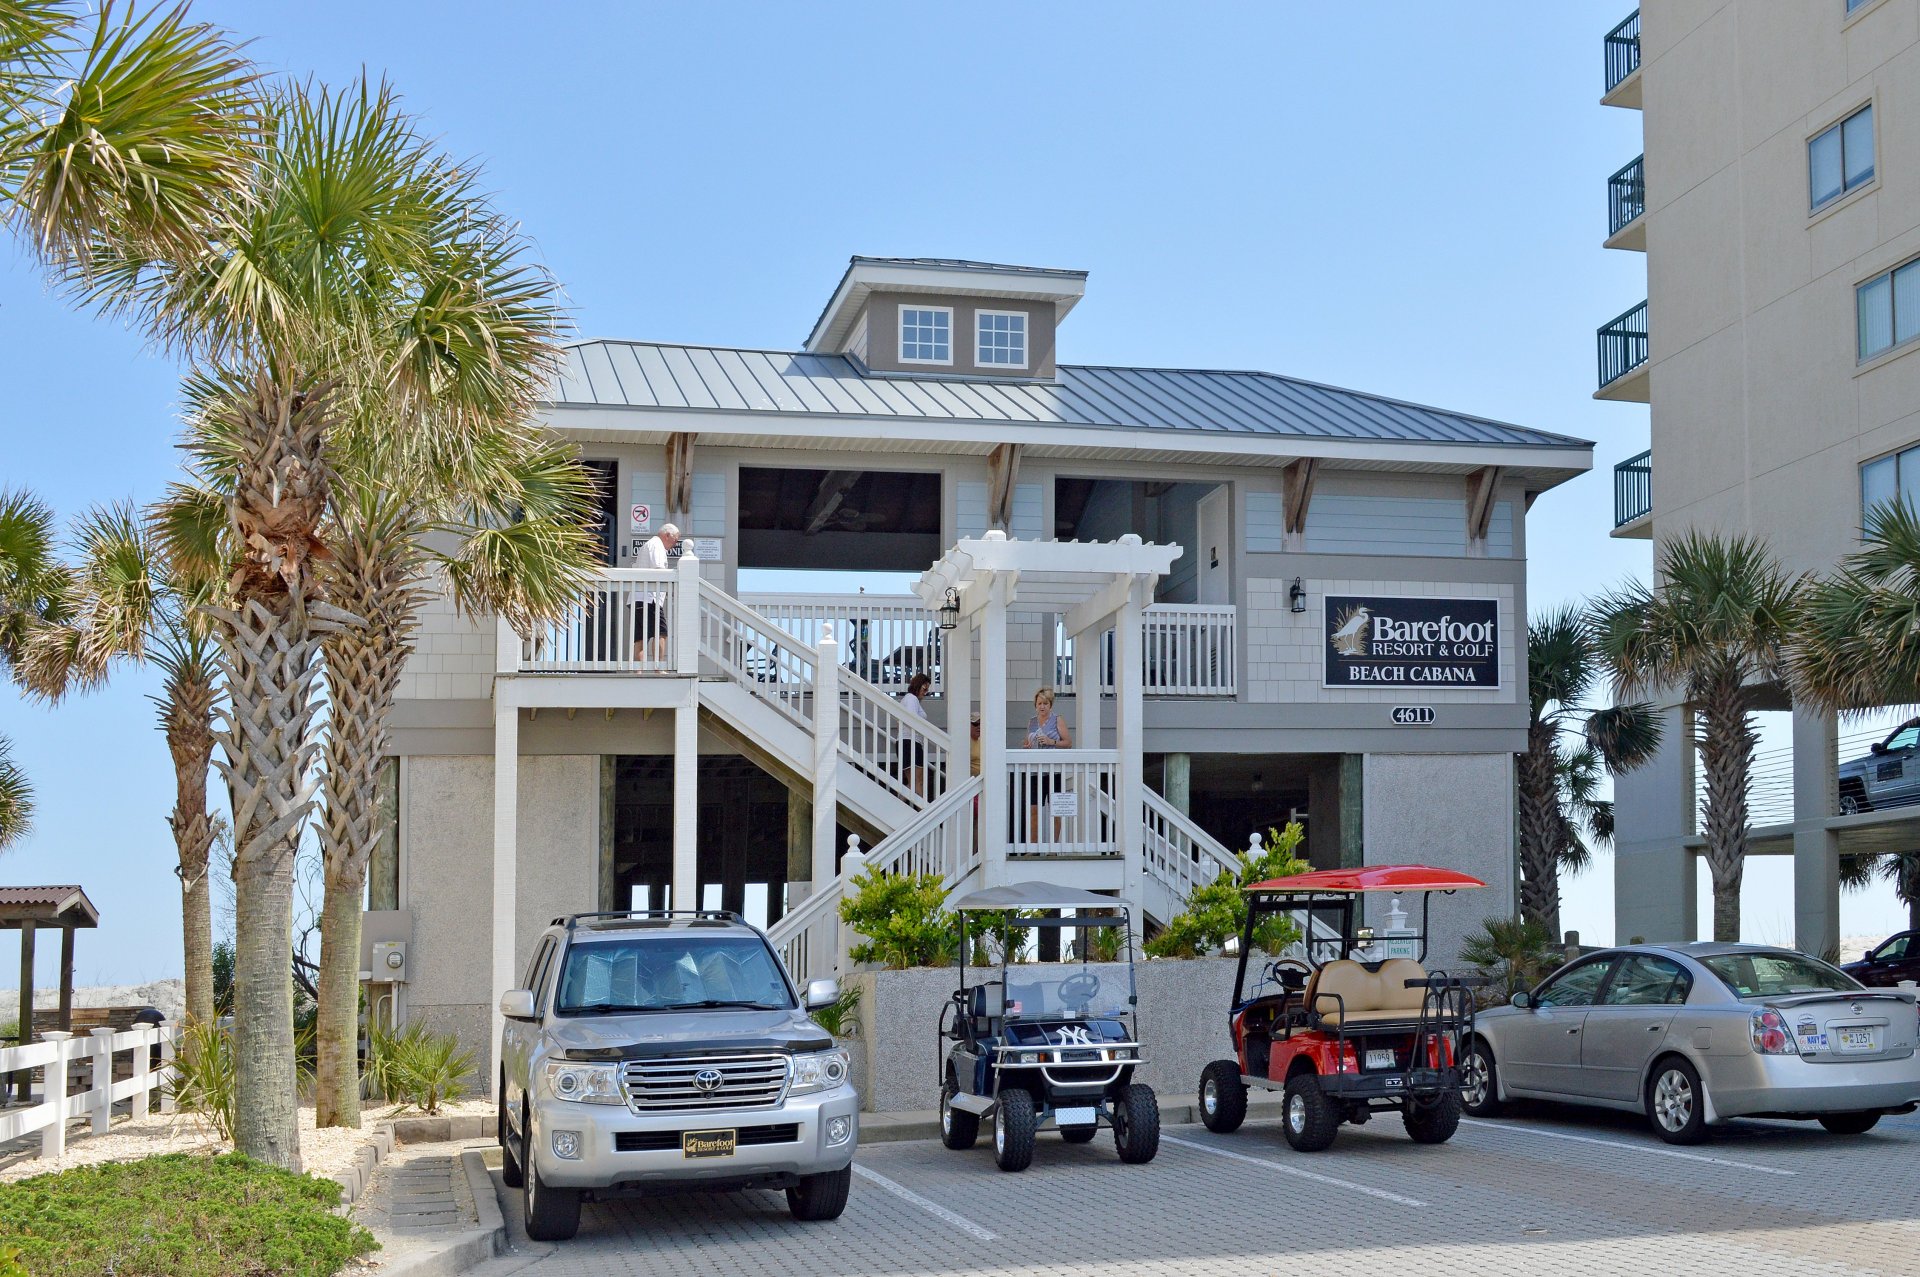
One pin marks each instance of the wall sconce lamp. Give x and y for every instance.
(950, 610)
(1297, 596)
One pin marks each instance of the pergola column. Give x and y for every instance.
(993, 732)
(956, 688)
(1086, 687)
(1129, 734)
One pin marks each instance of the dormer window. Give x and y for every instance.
(926, 334)
(1000, 340)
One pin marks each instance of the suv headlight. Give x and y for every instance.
(584, 1083)
(818, 1071)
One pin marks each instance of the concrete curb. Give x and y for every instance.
(888, 1128)
(353, 1181)
(405, 1130)
(473, 1247)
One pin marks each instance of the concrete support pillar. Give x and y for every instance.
(610, 895)
(506, 850)
(993, 734)
(1086, 688)
(1129, 730)
(1353, 807)
(799, 844)
(1816, 848)
(686, 806)
(826, 760)
(1655, 882)
(1176, 782)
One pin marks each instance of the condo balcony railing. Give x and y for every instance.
(1623, 345)
(1633, 489)
(1626, 195)
(1623, 50)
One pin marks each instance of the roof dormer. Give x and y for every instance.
(947, 317)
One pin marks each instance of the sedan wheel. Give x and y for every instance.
(1479, 1093)
(1675, 1104)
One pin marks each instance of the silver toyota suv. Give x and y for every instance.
(662, 1050)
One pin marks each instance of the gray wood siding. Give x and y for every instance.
(1342, 524)
(1266, 523)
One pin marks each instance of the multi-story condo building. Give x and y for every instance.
(1778, 205)
(1257, 599)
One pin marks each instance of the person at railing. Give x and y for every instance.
(913, 755)
(650, 625)
(1045, 730)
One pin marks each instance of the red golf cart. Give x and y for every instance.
(1354, 1025)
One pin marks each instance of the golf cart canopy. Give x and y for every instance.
(1044, 895)
(1401, 879)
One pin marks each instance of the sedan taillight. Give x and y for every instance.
(1771, 1036)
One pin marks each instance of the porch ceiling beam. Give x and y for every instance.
(680, 473)
(1482, 485)
(831, 496)
(1112, 597)
(1003, 471)
(1297, 491)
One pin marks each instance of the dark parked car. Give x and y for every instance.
(1889, 776)
(1888, 963)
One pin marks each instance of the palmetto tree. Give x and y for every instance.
(1561, 814)
(501, 522)
(33, 595)
(1715, 624)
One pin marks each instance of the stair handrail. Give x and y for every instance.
(732, 635)
(875, 733)
(1179, 849)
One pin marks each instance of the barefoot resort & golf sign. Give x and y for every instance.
(1374, 641)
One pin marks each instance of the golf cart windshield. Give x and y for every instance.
(1068, 990)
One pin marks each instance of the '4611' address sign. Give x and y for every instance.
(1375, 641)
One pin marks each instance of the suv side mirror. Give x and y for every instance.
(1879, 747)
(517, 1004)
(821, 993)
(1522, 999)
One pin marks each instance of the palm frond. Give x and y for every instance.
(1859, 640)
(1560, 660)
(16, 798)
(1625, 736)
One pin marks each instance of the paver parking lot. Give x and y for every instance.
(1557, 1191)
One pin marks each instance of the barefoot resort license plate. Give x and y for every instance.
(707, 1144)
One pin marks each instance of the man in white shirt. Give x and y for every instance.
(652, 629)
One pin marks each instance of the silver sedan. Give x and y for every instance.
(1694, 1034)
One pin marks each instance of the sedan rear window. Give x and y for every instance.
(1772, 975)
(674, 971)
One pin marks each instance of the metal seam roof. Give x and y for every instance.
(1228, 402)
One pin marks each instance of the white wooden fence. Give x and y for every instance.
(56, 1107)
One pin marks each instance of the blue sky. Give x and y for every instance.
(1384, 196)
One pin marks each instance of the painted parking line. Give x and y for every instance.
(1630, 1148)
(906, 1194)
(1296, 1171)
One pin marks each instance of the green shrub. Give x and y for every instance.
(996, 932)
(1217, 911)
(904, 919)
(417, 1067)
(1105, 944)
(1515, 953)
(833, 1017)
(10, 1265)
(178, 1215)
(204, 1076)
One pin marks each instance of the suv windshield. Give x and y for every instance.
(675, 970)
(1770, 975)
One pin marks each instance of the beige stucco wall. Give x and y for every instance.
(1452, 811)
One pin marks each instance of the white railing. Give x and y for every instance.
(760, 656)
(1187, 649)
(622, 625)
(906, 754)
(1060, 804)
(885, 639)
(1179, 854)
(57, 1107)
(939, 840)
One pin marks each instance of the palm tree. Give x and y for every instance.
(1561, 815)
(139, 592)
(503, 522)
(1715, 624)
(33, 594)
(1900, 869)
(1516, 953)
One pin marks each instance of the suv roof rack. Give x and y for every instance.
(719, 915)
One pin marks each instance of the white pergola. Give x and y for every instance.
(1091, 585)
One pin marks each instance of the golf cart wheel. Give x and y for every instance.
(1136, 1124)
(1479, 1083)
(1013, 1125)
(510, 1173)
(553, 1214)
(1223, 1097)
(1676, 1105)
(958, 1128)
(820, 1197)
(1433, 1121)
(1079, 1134)
(1308, 1117)
(1849, 1123)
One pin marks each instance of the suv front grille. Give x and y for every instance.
(745, 1137)
(706, 1082)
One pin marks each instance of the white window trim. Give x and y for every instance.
(1026, 338)
(899, 334)
(1863, 362)
(1846, 192)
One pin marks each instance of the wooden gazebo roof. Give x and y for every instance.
(46, 907)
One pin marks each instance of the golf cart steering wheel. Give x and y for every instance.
(1079, 989)
(1275, 967)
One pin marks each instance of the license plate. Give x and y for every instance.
(707, 1144)
(1075, 1116)
(1379, 1059)
(1856, 1039)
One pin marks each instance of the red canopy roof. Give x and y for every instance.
(1370, 878)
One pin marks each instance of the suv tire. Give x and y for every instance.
(1433, 1121)
(553, 1214)
(1308, 1117)
(1136, 1124)
(1223, 1097)
(1013, 1124)
(510, 1172)
(1479, 1082)
(1676, 1104)
(1849, 1123)
(820, 1197)
(958, 1128)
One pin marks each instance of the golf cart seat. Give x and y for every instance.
(1366, 997)
(987, 1006)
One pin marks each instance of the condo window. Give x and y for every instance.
(926, 335)
(1841, 158)
(1001, 339)
(1887, 479)
(1889, 308)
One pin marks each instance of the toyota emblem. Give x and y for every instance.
(708, 1080)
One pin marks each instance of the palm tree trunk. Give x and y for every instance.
(1540, 825)
(1726, 744)
(187, 705)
